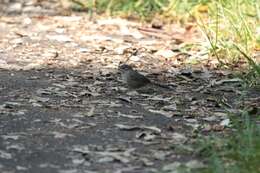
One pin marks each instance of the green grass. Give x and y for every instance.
(238, 152)
(231, 30)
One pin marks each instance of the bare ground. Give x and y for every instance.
(63, 107)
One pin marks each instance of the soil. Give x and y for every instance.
(64, 108)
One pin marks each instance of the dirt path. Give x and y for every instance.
(64, 109)
(57, 120)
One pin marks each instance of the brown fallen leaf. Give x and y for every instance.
(142, 127)
(168, 114)
(129, 116)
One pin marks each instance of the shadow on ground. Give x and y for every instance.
(56, 120)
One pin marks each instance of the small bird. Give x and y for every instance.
(135, 80)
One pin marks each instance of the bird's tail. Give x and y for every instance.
(170, 87)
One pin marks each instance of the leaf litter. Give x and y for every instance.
(67, 101)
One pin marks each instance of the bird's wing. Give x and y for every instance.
(139, 77)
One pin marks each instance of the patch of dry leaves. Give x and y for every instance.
(96, 120)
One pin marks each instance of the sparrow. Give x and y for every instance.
(135, 80)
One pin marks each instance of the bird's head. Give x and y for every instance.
(125, 67)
